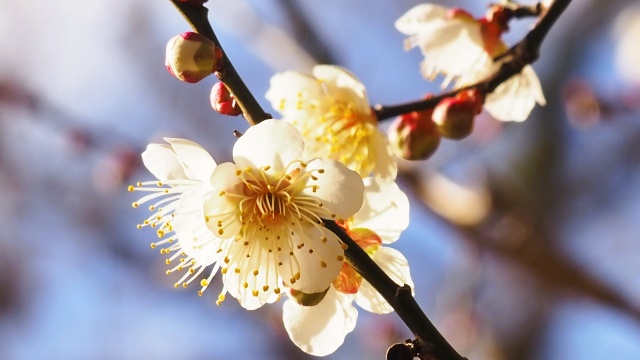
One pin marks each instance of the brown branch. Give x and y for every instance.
(196, 16)
(399, 297)
(523, 53)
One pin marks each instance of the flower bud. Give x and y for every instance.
(414, 136)
(191, 57)
(305, 299)
(454, 115)
(222, 100)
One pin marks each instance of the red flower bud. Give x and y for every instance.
(222, 100)
(191, 57)
(454, 115)
(414, 136)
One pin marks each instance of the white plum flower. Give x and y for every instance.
(332, 112)
(183, 169)
(320, 329)
(462, 49)
(261, 222)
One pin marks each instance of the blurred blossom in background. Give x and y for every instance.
(524, 239)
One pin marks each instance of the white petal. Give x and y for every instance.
(320, 330)
(514, 99)
(293, 92)
(272, 143)
(339, 189)
(317, 269)
(420, 18)
(245, 285)
(394, 264)
(197, 161)
(385, 209)
(223, 208)
(386, 164)
(342, 85)
(162, 162)
(456, 48)
(195, 239)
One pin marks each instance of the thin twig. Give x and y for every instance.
(196, 16)
(523, 53)
(399, 297)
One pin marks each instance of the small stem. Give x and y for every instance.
(196, 16)
(523, 53)
(399, 297)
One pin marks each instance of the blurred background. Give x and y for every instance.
(524, 238)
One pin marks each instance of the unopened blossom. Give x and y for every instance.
(183, 170)
(463, 48)
(414, 135)
(331, 110)
(454, 115)
(191, 57)
(321, 329)
(265, 212)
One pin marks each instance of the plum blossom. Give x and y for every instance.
(332, 112)
(259, 220)
(183, 169)
(321, 329)
(463, 48)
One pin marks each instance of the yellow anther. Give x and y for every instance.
(199, 292)
(135, 205)
(245, 285)
(265, 288)
(222, 193)
(276, 290)
(153, 245)
(297, 276)
(321, 171)
(323, 264)
(220, 231)
(344, 246)
(266, 168)
(255, 272)
(160, 233)
(255, 293)
(248, 169)
(224, 270)
(131, 188)
(237, 270)
(340, 258)
(176, 285)
(184, 285)
(226, 259)
(204, 283)
(168, 261)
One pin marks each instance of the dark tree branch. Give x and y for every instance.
(399, 297)
(196, 16)
(523, 53)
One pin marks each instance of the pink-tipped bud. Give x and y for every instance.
(454, 115)
(222, 100)
(192, 57)
(414, 136)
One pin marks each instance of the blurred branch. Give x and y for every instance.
(305, 34)
(523, 53)
(534, 254)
